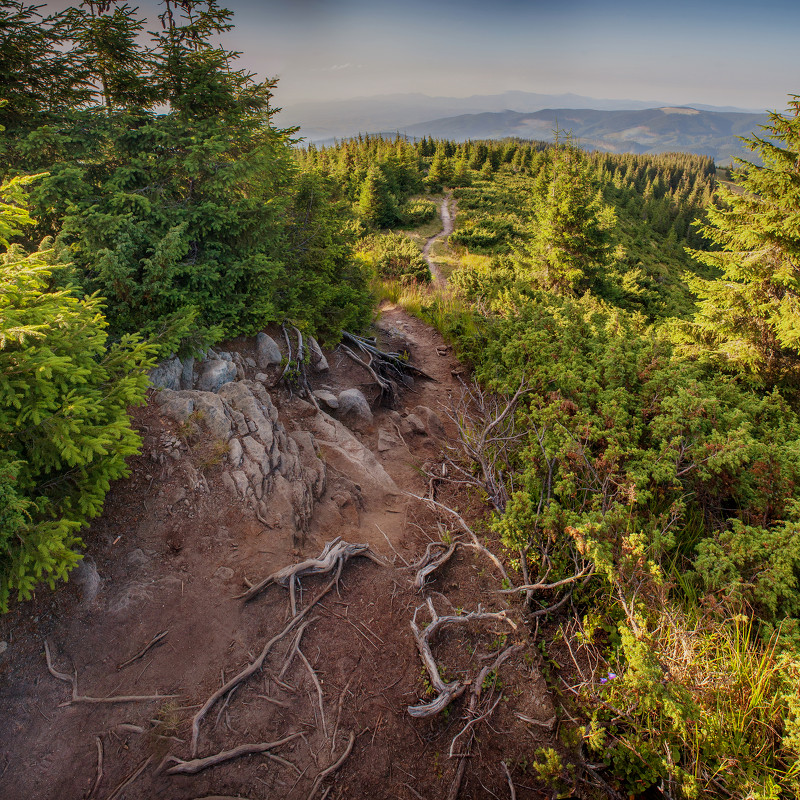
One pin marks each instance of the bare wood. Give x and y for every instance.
(199, 764)
(152, 643)
(339, 713)
(333, 767)
(318, 686)
(99, 777)
(466, 528)
(78, 698)
(128, 781)
(510, 782)
(547, 725)
(446, 692)
(294, 648)
(334, 553)
(540, 587)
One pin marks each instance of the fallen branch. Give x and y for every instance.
(317, 684)
(199, 764)
(540, 587)
(79, 698)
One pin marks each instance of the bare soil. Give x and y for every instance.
(172, 551)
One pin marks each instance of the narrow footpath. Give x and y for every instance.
(448, 216)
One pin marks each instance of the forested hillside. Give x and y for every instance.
(632, 326)
(155, 207)
(644, 337)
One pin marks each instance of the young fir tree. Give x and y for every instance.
(571, 243)
(749, 318)
(64, 428)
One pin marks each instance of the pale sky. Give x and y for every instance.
(719, 52)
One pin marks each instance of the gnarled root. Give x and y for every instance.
(446, 692)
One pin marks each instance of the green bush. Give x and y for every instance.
(64, 428)
(394, 255)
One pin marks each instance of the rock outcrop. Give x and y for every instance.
(277, 474)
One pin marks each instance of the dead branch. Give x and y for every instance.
(199, 764)
(335, 554)
(446, 692)
(333, 767)
(547, 725)
(428, 563)
(79, 698)
(539, 587)
(152, 643)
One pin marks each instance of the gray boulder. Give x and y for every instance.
(167, 375)
(354, 409)
(267, 351)
(327, 398)
(215, 373)
(318, 361)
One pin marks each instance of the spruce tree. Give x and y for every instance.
(570, 245)
(749, 318)
(64, 428)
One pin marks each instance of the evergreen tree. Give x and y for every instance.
(64, 428)
(570, 245)
(749, 318)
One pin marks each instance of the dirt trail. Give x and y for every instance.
(170, 553)
(448, 217)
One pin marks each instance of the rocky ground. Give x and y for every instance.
(238, 479)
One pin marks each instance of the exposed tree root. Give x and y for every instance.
(335, 554)
(333, 767)
(152, 643)
(129, 780)
(386, 369)
(475, 696)
(446, 692)
(79, 698)
(199, 764)
(99, 777)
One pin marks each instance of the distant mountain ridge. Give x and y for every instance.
(613, 125)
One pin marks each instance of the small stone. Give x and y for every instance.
(318, 361)
(224, 573)
(3, 647)
(354, 409)
(251, 362)
(216, 373)
(326, 398)
(137, 558)
(387, 440)
(234, 452)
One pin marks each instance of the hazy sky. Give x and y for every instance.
(721, 52)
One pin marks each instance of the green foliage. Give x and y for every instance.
(748, 319)
(64, 429)
(394, 255)
(188, 222)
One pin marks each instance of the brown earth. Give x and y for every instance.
(171, 552)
